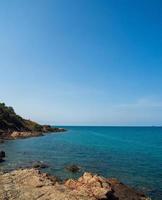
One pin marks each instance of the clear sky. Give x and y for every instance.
(82, 62)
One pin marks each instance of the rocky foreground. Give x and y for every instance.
(31, 184)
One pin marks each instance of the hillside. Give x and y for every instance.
(11, 122)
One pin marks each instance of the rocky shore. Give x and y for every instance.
(26, 134)
(25, 184)
(13, 126)
(31, 184)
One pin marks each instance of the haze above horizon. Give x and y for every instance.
(84, 62)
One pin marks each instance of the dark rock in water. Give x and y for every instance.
(1, 141)
(73, 168)
(124, 192)
(39, 165)
(2, 155)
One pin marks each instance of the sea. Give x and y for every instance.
(131, 154)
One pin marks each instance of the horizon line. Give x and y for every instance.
(159, 126)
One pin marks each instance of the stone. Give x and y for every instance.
(1, 141)
(90, 185)
(73, 168)
(2, 156)
(40, 165)
(25, 184)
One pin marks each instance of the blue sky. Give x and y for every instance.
(82, 62)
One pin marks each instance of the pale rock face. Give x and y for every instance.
(15, 134)
(23, 134)
(90, 185)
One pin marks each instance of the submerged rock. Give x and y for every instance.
(40, 165)
(2, 156)
(1, 141)
(73, 168)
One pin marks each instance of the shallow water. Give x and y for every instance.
(131, 154)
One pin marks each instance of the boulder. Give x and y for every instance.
(39, 165)
(1, 141)
(73, 168)
(2, 155)
(97, 187)
(124, 192)
(90, 185)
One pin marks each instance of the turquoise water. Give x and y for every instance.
(131, 154)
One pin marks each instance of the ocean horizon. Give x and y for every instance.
(130, 153)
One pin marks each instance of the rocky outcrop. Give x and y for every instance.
(31, 184)
(90, 186)
(12, 126)
(97, 187)
(26, 134)
(17, 134)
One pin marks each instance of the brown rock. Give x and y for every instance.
(30, 184)
(18, 134)
(90, 185)
(123, 192)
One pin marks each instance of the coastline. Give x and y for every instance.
(32, 184)
(27, 134)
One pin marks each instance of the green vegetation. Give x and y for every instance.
(10, 121)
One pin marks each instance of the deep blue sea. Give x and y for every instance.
(131, 154)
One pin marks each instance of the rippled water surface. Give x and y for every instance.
(131, 154)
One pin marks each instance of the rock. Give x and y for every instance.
(32, 184)
(90, 185)
(26, 134)
(48, 128)
(61, 130)
(1, 141)
(55, 179)
(2, 155)
(73, 168)
(13, 126)
(39, 165)
(123, 192)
